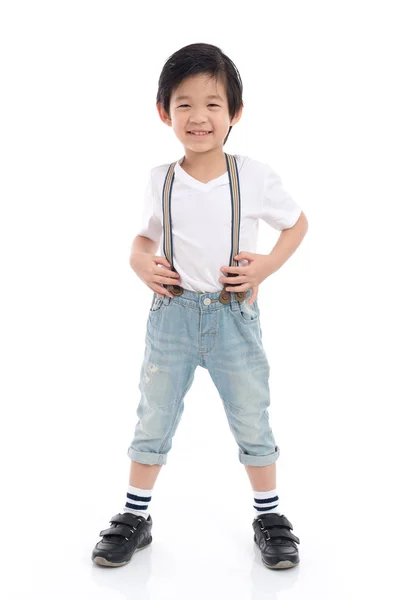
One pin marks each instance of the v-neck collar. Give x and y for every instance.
(195, 183)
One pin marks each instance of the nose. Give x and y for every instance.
(197, 117)
(196, 122)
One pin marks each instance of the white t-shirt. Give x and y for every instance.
(201, 215)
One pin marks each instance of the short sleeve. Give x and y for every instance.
(278, 208)
(151, 225)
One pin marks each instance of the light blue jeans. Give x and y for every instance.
(192, 330)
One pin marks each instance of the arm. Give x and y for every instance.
(288, 241)
(262, 266)
(145, 264)
(140, 245)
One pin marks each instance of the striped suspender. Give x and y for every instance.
(233, 173)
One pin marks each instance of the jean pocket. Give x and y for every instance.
(248, 313)
(157, 303)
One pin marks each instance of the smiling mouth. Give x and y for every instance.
(200, 134)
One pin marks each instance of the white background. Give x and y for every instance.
(79, 133)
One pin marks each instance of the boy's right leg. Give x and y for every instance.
(167, 373)
(129, 531)
(170, 360)
(143, 476)
(141, 482)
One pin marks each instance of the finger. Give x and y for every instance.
(254, 294)
(161, 260)
(165, 280)
(253, 298)
(239, 288)
(239, 279)
(159, 289)
(166, 273)
(238, 270)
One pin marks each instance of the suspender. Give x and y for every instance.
(233, 173)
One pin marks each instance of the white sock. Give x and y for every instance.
(137, 501)
(266, 502)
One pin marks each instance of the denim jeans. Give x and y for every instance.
(196, 329)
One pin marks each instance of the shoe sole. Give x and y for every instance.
(282, 564)
(100, 560)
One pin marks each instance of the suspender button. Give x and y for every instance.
(240, 296)
(177, 290)
(225, 297)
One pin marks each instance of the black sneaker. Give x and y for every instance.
(277, 543)
(128, 534)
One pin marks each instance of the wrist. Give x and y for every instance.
(273, 263)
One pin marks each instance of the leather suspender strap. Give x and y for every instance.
(233, 173)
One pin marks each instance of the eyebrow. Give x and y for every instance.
(211, 97)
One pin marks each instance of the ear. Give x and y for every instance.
(163, 115)
(236, 118)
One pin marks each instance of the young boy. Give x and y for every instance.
(202, 207)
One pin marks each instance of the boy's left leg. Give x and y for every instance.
(240, 371)
(262, 478)
(263, 483)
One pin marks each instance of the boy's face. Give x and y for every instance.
(198, 111)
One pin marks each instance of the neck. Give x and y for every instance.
(204, 162)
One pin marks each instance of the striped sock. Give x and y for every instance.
(266, 502)
(137, 501)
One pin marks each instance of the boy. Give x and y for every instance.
(200, 206)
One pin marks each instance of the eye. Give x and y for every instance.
(181, 105)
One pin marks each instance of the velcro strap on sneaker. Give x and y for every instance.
(123, 530)
(274, 520)
(281, 532)
(127, 519)
(277, 526)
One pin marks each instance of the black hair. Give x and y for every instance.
(195, 59)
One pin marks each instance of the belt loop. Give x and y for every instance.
(166, 299)
(234, 302)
